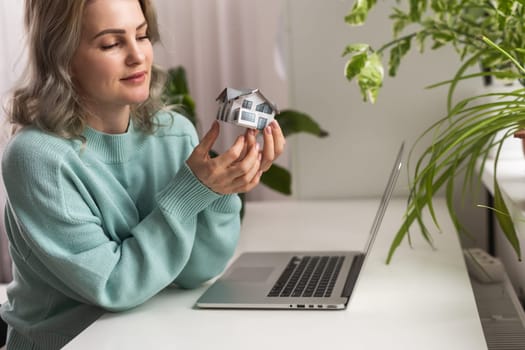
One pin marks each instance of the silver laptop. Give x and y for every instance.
(295, 280)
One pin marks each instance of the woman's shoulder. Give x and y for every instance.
(31, 145)
(173, 123)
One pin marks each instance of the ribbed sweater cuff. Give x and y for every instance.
(49, 341)
(229, 203)
(186, 196)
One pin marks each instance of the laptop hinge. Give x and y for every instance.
(351, 279)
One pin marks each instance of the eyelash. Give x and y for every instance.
(109, 47)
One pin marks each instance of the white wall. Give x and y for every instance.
(354, 161)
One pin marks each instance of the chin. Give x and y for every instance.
(137, 99)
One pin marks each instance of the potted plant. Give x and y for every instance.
(177, 96)
(486, 34)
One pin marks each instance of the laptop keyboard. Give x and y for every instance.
(308, 276)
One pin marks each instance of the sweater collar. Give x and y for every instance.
(113, 148)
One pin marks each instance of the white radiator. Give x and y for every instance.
(501, 313)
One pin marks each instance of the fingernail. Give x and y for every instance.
(268, 129)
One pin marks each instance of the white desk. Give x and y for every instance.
(422, 300)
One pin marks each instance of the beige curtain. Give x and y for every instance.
(11, 64)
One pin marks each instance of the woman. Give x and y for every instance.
(108, 201)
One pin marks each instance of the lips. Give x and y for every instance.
(135, 77)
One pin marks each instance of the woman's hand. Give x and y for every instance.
(274, 142)
(239, 169)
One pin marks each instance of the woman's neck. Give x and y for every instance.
(110, 121)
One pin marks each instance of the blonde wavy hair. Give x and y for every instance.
(46, 97)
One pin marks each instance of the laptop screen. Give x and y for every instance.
(387, 194)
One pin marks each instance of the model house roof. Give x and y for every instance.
(229, 94)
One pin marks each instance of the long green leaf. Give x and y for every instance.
(278, 179)
(292, 122)
(505, 220)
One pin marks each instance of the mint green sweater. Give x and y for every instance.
(105, 226)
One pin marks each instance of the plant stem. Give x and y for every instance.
(505, 53)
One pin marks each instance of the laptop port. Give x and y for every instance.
(300, 306)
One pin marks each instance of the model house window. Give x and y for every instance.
(265, 108)
(247, 104)
(261, 123)
(250, 117)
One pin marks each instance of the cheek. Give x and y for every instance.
(92, 74)
(78, 76)
(74, 69)
(148, 53)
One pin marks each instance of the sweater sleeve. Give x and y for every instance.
(216, 233)
(191, 230)
(217, 226)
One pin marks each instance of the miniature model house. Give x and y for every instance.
(247, 108)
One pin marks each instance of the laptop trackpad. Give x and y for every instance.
(249, 274)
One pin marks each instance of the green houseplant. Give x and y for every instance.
(177, 96)
(485, 34)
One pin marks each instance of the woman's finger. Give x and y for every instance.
(242, 167)
(249, 180)
(209, 139)
(268, 152)
(233, 154)
(278, 137)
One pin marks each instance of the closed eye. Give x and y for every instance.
(109, 47)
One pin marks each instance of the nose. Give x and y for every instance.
(135, 54)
